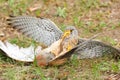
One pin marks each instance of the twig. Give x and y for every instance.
(85, 42)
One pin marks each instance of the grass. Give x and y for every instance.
(61, 12)
(74, 69)
(110, 40)
(89, 16)
(16, 7)
(62, 27)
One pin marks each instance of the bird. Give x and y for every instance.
(46, 32)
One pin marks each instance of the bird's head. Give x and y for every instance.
(72, 30)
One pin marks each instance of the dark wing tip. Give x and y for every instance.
(9, 23)
(12, 16)
(41, 17)
(10, 19)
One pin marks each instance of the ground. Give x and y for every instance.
(88, 16)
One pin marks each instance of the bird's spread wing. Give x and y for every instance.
(95, 48)
(15, 52)
(40, 29)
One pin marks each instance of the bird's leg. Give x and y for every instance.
(66, 33)
(69, 47)
(59, 48)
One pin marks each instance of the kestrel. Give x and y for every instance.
(59, 44)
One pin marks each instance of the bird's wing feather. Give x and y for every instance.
(95, 48)
(40, 29)
(15, 52)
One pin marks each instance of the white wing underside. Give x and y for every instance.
(17, 53)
